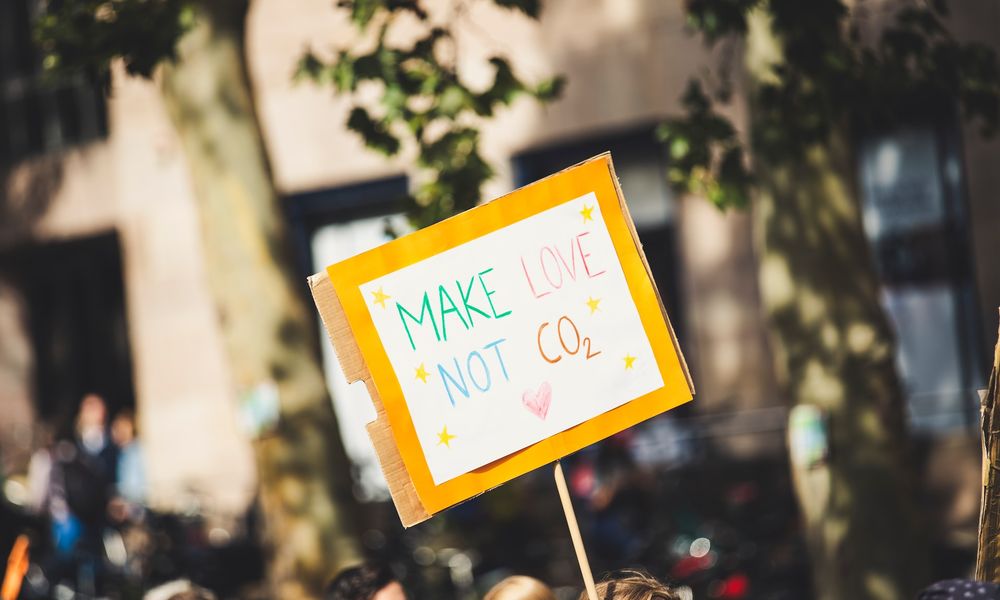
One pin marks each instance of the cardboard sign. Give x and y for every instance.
(503, 338)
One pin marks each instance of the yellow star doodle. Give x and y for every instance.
(593, 303)
(380, 297)
(586, 213)
(629, 359)
(422, 373)
(444, 437)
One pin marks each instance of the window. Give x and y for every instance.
(74, 298)
(36, 116)
(328, 226)
(915, 219)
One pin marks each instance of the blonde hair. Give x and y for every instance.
(519, 587)
(632, 585)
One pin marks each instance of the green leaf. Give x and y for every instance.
(424, 102)
(343, 74)
(308, 67)
(694, 99)
(424, 48)
(374, 133)
(506, 86)
(453, 100)
(531, 8)
(679, 148)
(367, 67)
(363, 11)
(394, 100)
(550, 89)
(84, 36)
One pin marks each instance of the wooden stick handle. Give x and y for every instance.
(988, 552)
(574, 532)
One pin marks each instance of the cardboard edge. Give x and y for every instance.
(606, 156)
(404, 495)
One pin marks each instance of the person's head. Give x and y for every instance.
(180, 589)
(123, 428)
(632, 585)
(93, 413)
(364, 582)
(195, 593)
(960, 589)
(519, 587)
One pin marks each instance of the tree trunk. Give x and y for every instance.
(834, 350)
(305, 488)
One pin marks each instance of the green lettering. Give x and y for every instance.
(425, 310)
(465, 295)
(489, 293)
(442, 294)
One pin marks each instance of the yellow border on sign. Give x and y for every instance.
(592, 176)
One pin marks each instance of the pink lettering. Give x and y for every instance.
(572, 261)
(545, 271)
(531, 285)
(584, 255)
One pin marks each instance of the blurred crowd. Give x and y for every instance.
(92, 533)
(83, 528)
(85, 510)
(86, 531)
(373, 582)
(90, 491)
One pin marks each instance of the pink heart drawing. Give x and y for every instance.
(538, 402)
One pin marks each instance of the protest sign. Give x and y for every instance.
(503, 338)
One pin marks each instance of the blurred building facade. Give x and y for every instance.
(102, 285)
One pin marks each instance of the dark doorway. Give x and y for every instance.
(75, 301)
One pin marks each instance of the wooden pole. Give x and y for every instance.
(988, 555)
(574, 532)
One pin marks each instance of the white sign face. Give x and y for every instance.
(513, 337)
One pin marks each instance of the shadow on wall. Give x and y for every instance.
(26, 193)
